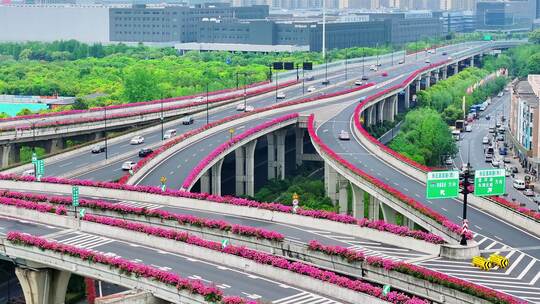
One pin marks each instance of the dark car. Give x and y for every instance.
(488, 117)
(445, 53)
(325, 82)
(365, 77)
(503, 151)
(145, 152)
(98, 148)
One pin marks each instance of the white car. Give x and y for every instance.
(240, 107)
(373, 68)
(519, 184)
(280, 95)
(249, 109)
(169, 134)
(449, 161)
(344, 135)
(358, 82)
(29, 172)
(495, 162)
(528, 192)
(137, 140)
(485, 140)
(311, 89)
(428, 61)
(468, 128)
(128, 165)
(450, 58)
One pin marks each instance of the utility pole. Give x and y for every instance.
(346, 64)
(363, 64)
(207, 105)
(245, 93)
(277, 77)
(162, 118)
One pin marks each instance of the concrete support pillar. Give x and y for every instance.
(370, 116)
(408, 223)
(245, 167)
(389, 214)
(43, 286)
(330, 182)
(445, 73)
(216, 177)
(299, 135)
(418, 84)
(10, 154)
(373, 210)
(437, 73)
(428, 80)
(276, 154)
(357, 201)
(380, 111)
(472, 62)
(205, 182)
(343, 197)
(456, 68)
(407, 97)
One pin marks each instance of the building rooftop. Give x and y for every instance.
(525, 92)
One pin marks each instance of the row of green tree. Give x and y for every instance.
(446, 97)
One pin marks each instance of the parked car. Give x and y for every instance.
(503, 151)
(280, 95)
(488, 117)
(128, 165)
(528, 192)
(145, 152)
(468, 128)
(506, 160)
(169, 134)
(501, 130)
(500, 137)
(137, 140)
(495, 162)
(498, 124)
(98, 148)
(344, 135)
(311, 89)
(514, 170)
(491, 129)
(519, 184)
(187, 120)
(485, 140)
(358, 82)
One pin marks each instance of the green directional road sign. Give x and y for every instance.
(82, 212)
(75, 196)
(40, 167)
(489, 182)
(224, 243)
(442, 184)
(385, 290)
(34, 158)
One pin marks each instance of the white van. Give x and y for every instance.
(169, 134)
(519, 184)
(456, 134)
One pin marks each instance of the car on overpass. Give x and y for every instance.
(128, 165)
(145, 152)
(240, 107)
(249, 109)
(358, 82)
(137, 140)
(401, 61)
(428, 60)
(98, 148)
(344, 135)
(280, 95)
(169, 134)
(187, 120)
(311, 89)
(365, 77)
(384, 74)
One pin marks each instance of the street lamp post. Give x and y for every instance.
(105, 133)
(277, 77)
(363, 64)
(377, 50)
(162, 118)
(346, 76)
(325, 70)
(207, 105)
(245, 93)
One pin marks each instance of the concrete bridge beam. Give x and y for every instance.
(43, 286)
(407, 97)
(445, 72)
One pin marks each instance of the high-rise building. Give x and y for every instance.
(504, 15)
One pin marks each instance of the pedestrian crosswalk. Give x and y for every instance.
(305, 298)
(84, 240)
(148, 206)
(521, 279)
(372, 248)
